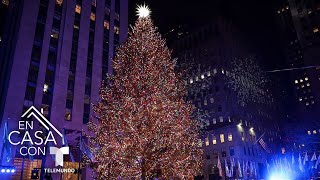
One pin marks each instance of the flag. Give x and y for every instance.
(263, 144)
(300, 163)
(268, 167)
(305, 159)
(318, 162)
(65, 143)
(227, 168)
(219, 167)
(244, 169)
(6, 143)
(314, 157)
(292, 159)
(239, 169)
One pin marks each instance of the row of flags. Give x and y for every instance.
(248, 169)
(301, 163)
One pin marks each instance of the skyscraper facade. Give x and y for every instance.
(298, 23)
(55, 54)
(239, 136)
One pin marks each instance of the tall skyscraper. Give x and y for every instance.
(54, 56)
(298, 23)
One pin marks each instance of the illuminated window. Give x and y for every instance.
(306, 78)
(207, 141)
(205, 102)
(93, 16)
(215, 71)
(221, 119)
(191, 81)
(54, 35)
(116, 30)
(106, 24)
(76, 27)
(229, 119)
(229, 137)
(59, 2)
(309, 132)
(307, 103)
(312, 102)
(301, 80)
(78, 9)
(197, 78)
(211, 100)
(5, 2)
(214, 121)
(45, 88)
(208, 73)
(222, 70)
(278, 12)
(67, 116)
(287, 7)
(222, 138)
(308, 84)
(315, 30)
(214, 140)
(202, 76)
(302, 86)
(296, 81)
(314, 131)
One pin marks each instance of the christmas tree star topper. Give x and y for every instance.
(143, 11)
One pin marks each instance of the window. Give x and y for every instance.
(222, 138)
(296, 81)
(207, 141)
(315, 30)
(45, 88)
(214, 140)
(221, 119)
(191, 81)
(59, 2)
(205, 102)
(202, 76)
(214, 71)
(211, 100)
(229, 137)
(93, 16)
(106, 24)
(314, 131)
(214, 121)
(78, 9)
(199, 143)
(68, 115)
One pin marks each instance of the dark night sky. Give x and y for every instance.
(255, 19)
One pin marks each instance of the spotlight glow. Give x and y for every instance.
(13, 170)
(3, 170)
(8, 170)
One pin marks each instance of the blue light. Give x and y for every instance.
(279, 176)
(3, 170)
(13, 170)
(8, 170)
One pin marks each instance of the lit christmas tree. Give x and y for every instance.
(142, 126)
